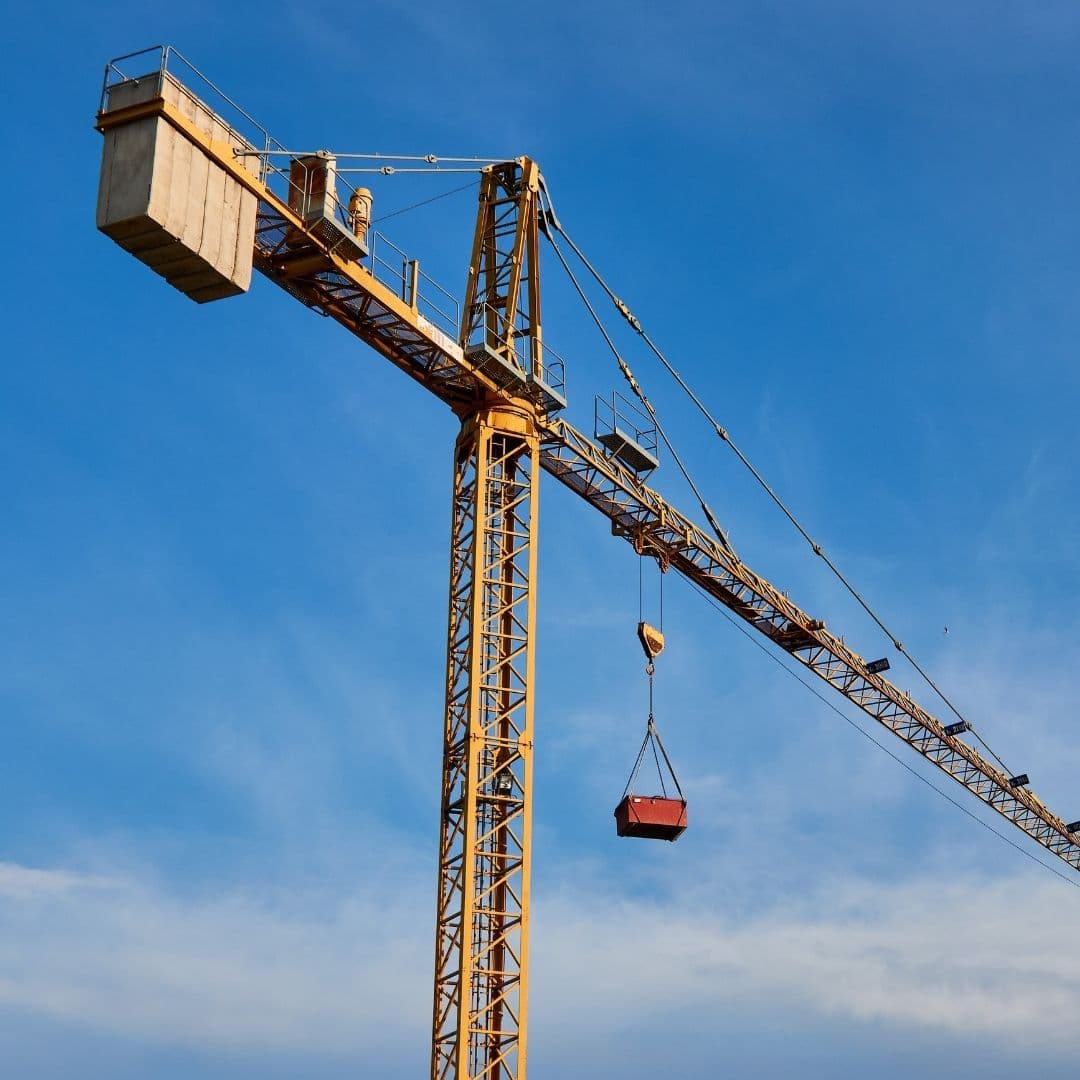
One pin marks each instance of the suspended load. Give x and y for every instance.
(652, 817)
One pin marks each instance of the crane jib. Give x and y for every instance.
(635, 509)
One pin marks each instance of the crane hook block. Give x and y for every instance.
(652, 640)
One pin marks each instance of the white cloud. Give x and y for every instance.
(232, 971)
(23, 882)
(345, 971)
(972, 957)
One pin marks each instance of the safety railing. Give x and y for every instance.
(393, 267)
(627, 431)
(159, 61)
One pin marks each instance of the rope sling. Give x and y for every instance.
(653, 741)
(651, 817)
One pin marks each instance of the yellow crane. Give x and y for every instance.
(203, 199)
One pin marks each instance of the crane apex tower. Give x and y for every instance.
(165, 201)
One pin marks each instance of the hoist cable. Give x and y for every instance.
(661, 600)
(628, 375)
(641, 594)
(829, 704)
(723, 434)
(641, 589)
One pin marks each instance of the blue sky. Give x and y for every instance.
(223, 553)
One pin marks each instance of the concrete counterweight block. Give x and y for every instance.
(165, 201)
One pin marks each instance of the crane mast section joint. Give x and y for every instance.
(516, 418)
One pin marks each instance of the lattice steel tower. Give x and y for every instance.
(481, 950)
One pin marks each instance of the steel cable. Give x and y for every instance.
(723, 434)
(423, 202)
(635, 387)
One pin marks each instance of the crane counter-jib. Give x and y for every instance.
(166, 170)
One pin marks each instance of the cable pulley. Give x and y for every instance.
(652, 641)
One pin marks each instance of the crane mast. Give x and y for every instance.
(485, 836)
(496, 381)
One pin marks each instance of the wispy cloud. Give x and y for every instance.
(27, 883)
(969, 957)
(345, 971)
(329, 975)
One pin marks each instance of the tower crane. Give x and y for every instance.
(261, 206)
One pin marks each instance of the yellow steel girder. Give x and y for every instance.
(481, 948)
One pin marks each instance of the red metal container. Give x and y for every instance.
(651, 816)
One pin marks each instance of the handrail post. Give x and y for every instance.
(414, 283)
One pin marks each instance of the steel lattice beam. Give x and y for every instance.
(484, 851)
